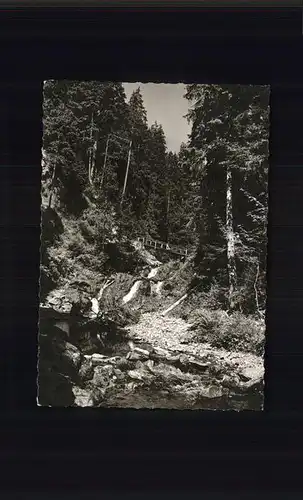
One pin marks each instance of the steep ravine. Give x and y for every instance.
(151, 363)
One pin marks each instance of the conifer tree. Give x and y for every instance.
(230, 139)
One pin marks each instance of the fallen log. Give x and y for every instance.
(175, 304)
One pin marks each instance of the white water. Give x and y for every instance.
(158, 287)
(95, 306)
(134, 289)
(132, 292)
(95, 301)
(152, 272)
(108, 283)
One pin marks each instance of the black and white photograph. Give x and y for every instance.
(153, 289)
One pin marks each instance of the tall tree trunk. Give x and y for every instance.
(256, 289)
(230, 240)
(93, 164)
(52, 187)
(104, 164)
(167, 216)
(53, 181)
(126, 173)
(91, 152)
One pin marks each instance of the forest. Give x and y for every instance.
(108, 179)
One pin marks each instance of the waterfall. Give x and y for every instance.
(152, 272)
(132, 292)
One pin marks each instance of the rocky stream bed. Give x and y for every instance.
(90, 360)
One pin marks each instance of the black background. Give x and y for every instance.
(65, 450)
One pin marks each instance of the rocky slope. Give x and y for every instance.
(117, 349)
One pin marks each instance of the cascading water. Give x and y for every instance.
(152, 273)
(133, 291)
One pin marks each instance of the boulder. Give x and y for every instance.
(97, 395)
(135, 374)
(71, 355)
(230, 381)
(98, 359)
(114, 360)
(149, 364)
(73, 299)
(212, 392)
(124, 364)
(137, 356)
(86, 371)
(183, 362)
(255, 384)
(143, 352)
(82, 397)
(62, 356)
(102, 375)
(251, 373)
(198, 365)
(62, 324)
(119, 374)
(54, 389)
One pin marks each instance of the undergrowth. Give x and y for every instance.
(234, 332)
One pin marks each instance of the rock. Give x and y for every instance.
(73, 354)
(96, 397)
(48, 312)
(66, 357)
(143, 352)
(54, 389)
(212, 392)
(150, 364)
(114, 360)
(251, 373)
(254, 384)
(243, 377)
(183, 361)
(230, 382)
(164, 393)
(62, 325)
(86, 371)
(160, 352)
(199, 365)
(215, 392)
(108, 369)
(62, 299)
(136, 356)
(173, 358)
(124, 364)
(135, 374)
(82, 397)
(102, 375)
(119, 374)
(130, 387)
(98, 359)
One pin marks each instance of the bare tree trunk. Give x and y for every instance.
(104, 164)
(175, 304)
(230, 239)
(256, 289)
(52, 187)
(90, 156)
(93, 164)
(167, 215)
(126, 173)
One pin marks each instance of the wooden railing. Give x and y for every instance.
(162, 245)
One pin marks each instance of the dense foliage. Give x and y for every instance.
(210, 197)
(229, 144)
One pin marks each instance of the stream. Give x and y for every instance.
(155, 367)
